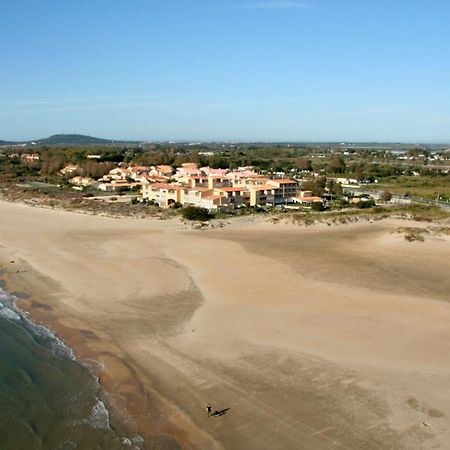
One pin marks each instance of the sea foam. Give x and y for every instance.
(7, 313)
(99, 417)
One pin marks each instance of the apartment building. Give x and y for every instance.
(232, 197)
(261, 195)
(164, 194)
(284, 191)
(202, 197)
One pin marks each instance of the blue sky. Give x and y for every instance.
(330, 70)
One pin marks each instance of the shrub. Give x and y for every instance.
(366, 204)
(196, 213)
(317, 206)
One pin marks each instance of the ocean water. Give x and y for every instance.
(48, 400)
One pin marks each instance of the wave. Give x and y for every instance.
(99, 417)
(10, 311)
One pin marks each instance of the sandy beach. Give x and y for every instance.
(314, 338)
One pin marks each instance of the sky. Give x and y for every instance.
(238, 70)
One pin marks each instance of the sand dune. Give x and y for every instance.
(327, 337)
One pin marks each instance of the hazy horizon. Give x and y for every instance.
(232, 141)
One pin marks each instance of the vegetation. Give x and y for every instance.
(196, 213)
(317, 207)
(427, 186)
(424, 213)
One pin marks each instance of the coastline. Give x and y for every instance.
(167, 322)
(126, 399)
(44, 365)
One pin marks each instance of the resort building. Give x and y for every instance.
(119, 173)
(218, 181)
(146, 179)
(215, 189)
(164, 171)
(69, 169)
(261, 195)
(163, 194)
(118, 185)
(199, 181)
(284, 192)
(241, 175)
(82, 181)
(202, 197)
(208, 171)
(307, 197)
(137, 171)
(232, 197)
(187, 170)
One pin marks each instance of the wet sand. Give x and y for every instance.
(326, 337)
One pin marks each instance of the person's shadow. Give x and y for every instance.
(220, 413)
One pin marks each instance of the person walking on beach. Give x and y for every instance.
(209, 409)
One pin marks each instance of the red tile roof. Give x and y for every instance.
(284, 181)
(231, 189)
(262, 187)
(199, 189)
(310, 199)
(164, 186)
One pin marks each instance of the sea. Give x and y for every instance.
(48, 399)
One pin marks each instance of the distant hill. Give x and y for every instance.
(74, 139)
(6, 143)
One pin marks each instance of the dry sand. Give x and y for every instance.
(319, 338)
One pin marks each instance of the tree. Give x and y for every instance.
(180, 159)
(337, 164)
(334, 188)
(317, 186)
(358, 172)
(386, 196)
(303, 164)
(53, 165)
(194, 158)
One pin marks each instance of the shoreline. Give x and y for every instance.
(102, 416)
(25, 304)
(137, 298)
(126, 397)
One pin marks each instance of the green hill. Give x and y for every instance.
(74, 139)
